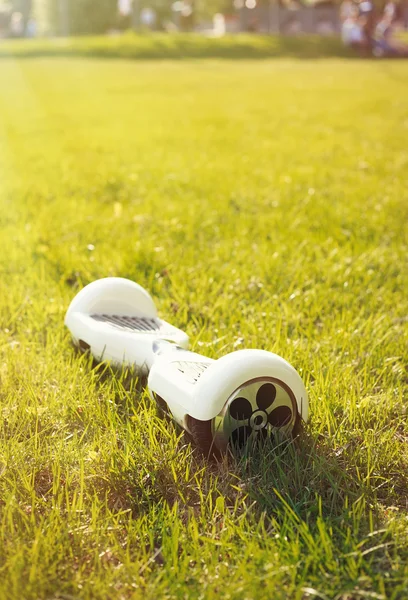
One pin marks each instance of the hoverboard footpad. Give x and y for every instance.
(136, 324)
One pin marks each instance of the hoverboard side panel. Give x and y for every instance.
(207, 398)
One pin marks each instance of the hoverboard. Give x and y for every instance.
(245, 395)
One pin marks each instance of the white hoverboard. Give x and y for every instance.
(245, 395)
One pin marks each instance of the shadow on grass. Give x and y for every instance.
(308, 478)
(180, 46)
(309, 482)
(298, 473)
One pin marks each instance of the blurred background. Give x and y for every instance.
(39, 18)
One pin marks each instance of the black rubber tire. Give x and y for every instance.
(201, 434)
(297, 427)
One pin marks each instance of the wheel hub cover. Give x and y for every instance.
(258, 409)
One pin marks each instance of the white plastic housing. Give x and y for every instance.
(205, 386)
(117, 319)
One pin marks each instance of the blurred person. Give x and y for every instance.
(148, 17)
(218, 25)
(17, 25)
(367, 19)
(124, 14)
(31, 28)
(124, 7)
(392, 11)
(385, 44)
(5, 15)
(393, 17)
(352, 33)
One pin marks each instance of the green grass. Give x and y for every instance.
(178, 46)
(264, 204)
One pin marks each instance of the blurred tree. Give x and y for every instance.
(85, 16)
(97, 16)
(76, 17)
(162, 9)
(187, 13)
(208, 8)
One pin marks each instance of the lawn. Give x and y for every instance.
(264, 203)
